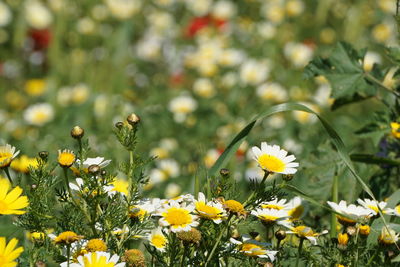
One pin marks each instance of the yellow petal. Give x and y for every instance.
(13, 195)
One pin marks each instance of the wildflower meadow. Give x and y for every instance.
(213, 133)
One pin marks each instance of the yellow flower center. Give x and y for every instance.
(268, 218)
(271, 163)
(252, 249)
(67, 237)
(120, 186)
(271, 206)
(96, 245)
(3, 207)
(177, 216)
(5, 159)
(66, 159)
(303, 231)
(207, 211)
(40, 117)
(374, 208)
(397, 209)
(234, 206)
(136, 212)
(345, 221)
(96, 261)
(296, 213)
(158, 241)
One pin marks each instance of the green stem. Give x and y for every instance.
(299, 251)
(217, 242)
(184, 256)
(8, 175)
(356, 256)
(373, 257)
(374, 80)
(68, 254)
(80, 153)
(65, 170)
(335, 196)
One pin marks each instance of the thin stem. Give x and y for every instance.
(185, 249)
(356, 256)
(80, 153)
(68, 254)
(373, 257)
(299, 251)
(65, 170)
(335, 196)
(217, 242)
(374, 80)
(8, 175)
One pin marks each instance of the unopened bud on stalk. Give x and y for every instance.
(77, 132)
(119, 125)
(134, 258)
(364, 229)
(351, 230)
(190, 237)
(133, 119)
(224, 173)
(255, 235)
(43, 155)
(280, 235)
(94, 169)
(287, 177)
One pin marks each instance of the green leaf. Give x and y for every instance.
(345, 73)
(394, 199)
(394, 54)
(397, 259)
(372, 159)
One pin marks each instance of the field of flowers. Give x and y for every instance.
(199, 133)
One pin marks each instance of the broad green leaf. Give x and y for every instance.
(345, 73)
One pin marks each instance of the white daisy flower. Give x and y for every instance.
(158, 239)
(99, 161)
(209, 210)
(39, 114)
(274, 159)
(373, 205)
(303, 231)
(253, 248)
(7, 154)
(177, 217)
(351, 213)
(96, 259)
(272, 216)
(388, 236)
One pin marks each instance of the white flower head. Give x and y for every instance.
(373, 205)
(253, 248)
(209, 210)
(274, 159)
(96, 259)
(177, 217)
(39, 114)
(351, 213)
(157, 239)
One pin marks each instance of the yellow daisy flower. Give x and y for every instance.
(209, 210)
(395, 129)
(67, 237)
(96, 245)
(234, 206)
(11, 202)
(66, 158)
(274, 159)
(8, 253)
(23, 163)
(178, 217)
(7, 154)
(158, 240)
(306, 232)
(96, 259)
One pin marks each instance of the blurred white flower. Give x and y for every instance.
(86, 25)
(123, 9)
(298, 54)
(266, 30)
(370, 59)
(172, 190)
(5, 14)
(149, 48)
(199, 7)
(273, 11)
(254, 72)
(294, 7)
(181, 106)
(231, 57)
(272, 91)
(37, 15)
(224, 10)
(39, 114)
(203, 87)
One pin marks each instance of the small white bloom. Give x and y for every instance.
(37, 15)
(39, 114)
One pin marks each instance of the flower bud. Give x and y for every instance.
(134, 258)
(287, 177)
(255, 235)
(77, 132)
(133, 119)
(343, 239)
(94, 169)
(280, 235)
(190, 237)
(364, 230)
(224, 173)
(119, 125)
(351, 230)
(43, 155)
